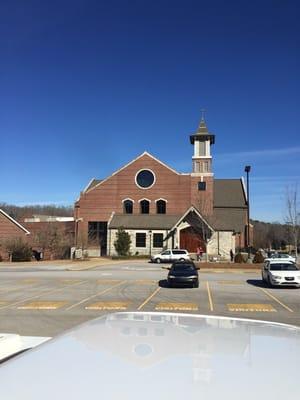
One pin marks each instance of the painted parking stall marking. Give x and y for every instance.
(108, 305)
(42, 305)
(176, 307)
(149, 298)
(3, 303)
(251, 308)
(277, 300)
(211, 305)
(107, 281)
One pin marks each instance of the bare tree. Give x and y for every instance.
(293, 215)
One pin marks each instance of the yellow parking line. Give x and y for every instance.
(107, 281)
(145, 282)
(277, 300)
(149, 298)
(209, 297)
(251, 307)
(177, 306)
(95, 295)
(108, 305)
(2, 303)
(42, 305)
(45, 292)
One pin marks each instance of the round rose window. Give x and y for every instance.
(145, 178)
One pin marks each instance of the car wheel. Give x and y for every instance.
(158, 260)
(196, 285)
(269, 282)
(170, 284)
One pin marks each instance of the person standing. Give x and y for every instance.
(231, 255)
(199, 253)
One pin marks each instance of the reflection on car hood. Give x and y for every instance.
(159, 356)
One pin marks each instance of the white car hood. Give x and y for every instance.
(160, 356)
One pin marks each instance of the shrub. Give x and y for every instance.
(19, 249)
(122, 243)
(239, 258)
(258, 258)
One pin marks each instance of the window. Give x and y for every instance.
(201, 185)
(144, 206)
(127, 207)
(145, 179)
(158, 240)
(140, 240)
(161, 207)
(97, 232)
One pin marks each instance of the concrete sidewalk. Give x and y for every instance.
(82, 265)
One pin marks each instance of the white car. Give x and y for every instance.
(160, 356)
(278, 272)
(282, 257)
(171, 255)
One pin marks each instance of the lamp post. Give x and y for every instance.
(247, 170)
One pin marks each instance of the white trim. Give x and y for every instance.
(148, 187)
(144, 199)
(127, 198)
(15, 222)
(192, 208)
(84, 190)
(162, 200)
(244, 189)
(131, 162)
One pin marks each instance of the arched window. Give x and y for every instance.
(128, 207)
(161, 207)
(144, 206)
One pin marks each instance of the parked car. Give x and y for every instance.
(277, 272)
(171, 255)
(158, 355)
(183, 274)
(282, 256)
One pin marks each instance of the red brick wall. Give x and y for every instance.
(9, 230)
(180, 191)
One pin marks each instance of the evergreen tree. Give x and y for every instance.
(122, 243)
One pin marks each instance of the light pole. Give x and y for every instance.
(247, 170)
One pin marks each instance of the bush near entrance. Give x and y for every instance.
(122, 243)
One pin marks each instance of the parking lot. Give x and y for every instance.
(46, 303)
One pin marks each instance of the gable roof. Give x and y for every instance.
(229, 193)
(93, 182)
(14, 222)
(228, 219)
(89, 188)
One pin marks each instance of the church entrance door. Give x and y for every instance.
(190, 240)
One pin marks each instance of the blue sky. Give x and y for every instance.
(86, 86)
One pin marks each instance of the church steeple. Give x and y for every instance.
(202, 139)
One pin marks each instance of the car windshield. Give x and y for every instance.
(283, 267)
(183, 267)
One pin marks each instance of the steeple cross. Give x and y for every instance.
(202, 114)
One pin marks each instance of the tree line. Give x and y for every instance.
(20, 212)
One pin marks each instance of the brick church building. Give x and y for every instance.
(162, 208)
